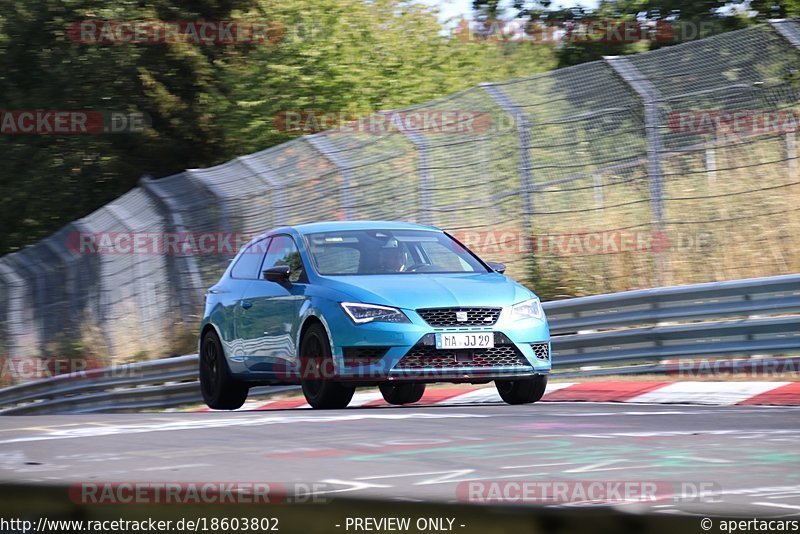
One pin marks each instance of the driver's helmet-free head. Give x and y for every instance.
(392, 258)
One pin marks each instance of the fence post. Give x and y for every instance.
(523, 124)
(322, 145)
(791, 153)
(17, 329)
(190, 298)
(275, 187)
(33, 291)
(650, 97)
(789, 30)
(195, 176)
(424, 216)
(711, 165)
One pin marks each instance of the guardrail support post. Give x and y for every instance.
(650, 97)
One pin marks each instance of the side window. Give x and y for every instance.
(283, 251)
(247, 265)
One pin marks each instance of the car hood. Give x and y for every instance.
(412, 291)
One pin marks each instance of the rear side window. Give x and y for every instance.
(249, 261)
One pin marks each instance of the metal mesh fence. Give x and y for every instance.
(612, 175)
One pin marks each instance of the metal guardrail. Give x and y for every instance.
(753, 316)
(741, 317)
(159, 383)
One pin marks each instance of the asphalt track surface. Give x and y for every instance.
(746, 458)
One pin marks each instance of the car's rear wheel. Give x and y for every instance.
(220, 390)
(523, 390)
(319, 387)
(402, 393)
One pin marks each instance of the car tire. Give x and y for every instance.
(522, 391)
(220, 390)
(322, 393)
(402, 393)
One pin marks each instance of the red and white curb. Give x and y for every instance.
(708, 393)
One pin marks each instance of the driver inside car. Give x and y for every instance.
(392, 258)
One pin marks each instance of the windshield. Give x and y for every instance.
(389, 252)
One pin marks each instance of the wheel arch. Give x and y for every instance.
(313, 318)
(208, 327)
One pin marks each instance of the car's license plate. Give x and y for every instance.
(465, 341)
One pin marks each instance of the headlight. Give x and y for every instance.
(528, 309)
(367, 313)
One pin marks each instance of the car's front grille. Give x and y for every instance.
(428, 357)
(355, 356)
(542, 350)
(468, 316)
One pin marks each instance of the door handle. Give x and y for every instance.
(246, 304)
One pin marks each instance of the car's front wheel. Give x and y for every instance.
(523, 390)
(220, 390)
(402, 393)
(316, 361)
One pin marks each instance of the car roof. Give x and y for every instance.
(334, 226)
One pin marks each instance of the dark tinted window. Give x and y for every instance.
(248, 262)
(389, 252)
(283, 251)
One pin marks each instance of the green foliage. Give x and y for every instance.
(208, 103)
(48, 180)
(688, 20)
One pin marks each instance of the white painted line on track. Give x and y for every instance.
(360, 399)
(259, 420)
(718, 393)
(476, 396)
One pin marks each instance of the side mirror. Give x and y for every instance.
(278, 274)
(497, 267)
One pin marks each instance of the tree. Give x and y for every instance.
(49, 180)
(209, 103)
(662, 22)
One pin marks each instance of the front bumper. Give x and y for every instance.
(410, 353)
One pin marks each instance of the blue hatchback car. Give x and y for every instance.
(338, 305)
